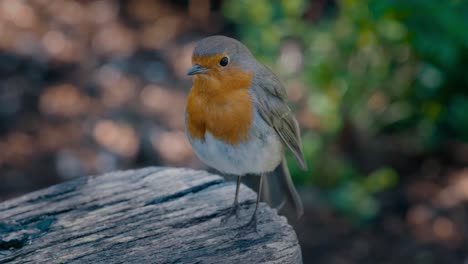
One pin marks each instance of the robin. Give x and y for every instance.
(237, 119)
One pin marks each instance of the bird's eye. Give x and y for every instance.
(224, 61)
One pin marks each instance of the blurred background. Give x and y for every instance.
(380, 89)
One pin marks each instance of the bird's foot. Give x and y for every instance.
(252, 224)
(233, 211)
(249, 226)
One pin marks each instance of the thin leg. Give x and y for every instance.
(237, 190)
(235, 206)
(253, 220)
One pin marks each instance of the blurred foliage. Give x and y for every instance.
(388, 67)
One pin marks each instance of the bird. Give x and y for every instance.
(237, 119)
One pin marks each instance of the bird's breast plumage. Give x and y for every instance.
(261, 152)
(221, 104)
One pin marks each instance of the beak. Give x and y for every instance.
(196, 69)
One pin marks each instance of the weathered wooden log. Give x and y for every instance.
(151, 215)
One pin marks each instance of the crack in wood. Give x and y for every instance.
(184, 192)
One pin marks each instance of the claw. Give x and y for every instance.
(250, 226)
(233, 211)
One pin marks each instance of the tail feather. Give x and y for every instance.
(279, 191)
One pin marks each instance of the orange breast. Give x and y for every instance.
(220, 103)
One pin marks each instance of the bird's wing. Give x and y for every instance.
(271, 103)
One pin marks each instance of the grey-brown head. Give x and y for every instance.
(219, 52)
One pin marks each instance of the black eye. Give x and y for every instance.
(224, 61)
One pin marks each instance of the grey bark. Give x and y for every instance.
(151, 215)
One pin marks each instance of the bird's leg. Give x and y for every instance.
(235, 206)
(253, 221)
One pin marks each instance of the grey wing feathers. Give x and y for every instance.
(271, 102)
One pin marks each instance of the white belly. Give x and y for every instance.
(261, 153)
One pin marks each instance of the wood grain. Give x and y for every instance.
(151, 215)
